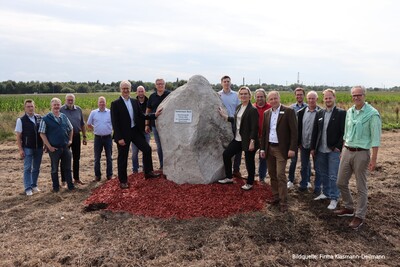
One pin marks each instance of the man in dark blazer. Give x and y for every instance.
(278, 143)
(125, 118)
(326, 146)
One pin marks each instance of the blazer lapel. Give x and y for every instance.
(280, 115)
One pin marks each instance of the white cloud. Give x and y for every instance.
(340, 42)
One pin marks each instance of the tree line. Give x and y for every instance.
(36, 87)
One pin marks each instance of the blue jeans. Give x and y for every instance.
(306, 171)
(135, 153)
(327, 166)
(62, 154)
(101, 142)
(262, 168)
(32, 161)
(159, 148)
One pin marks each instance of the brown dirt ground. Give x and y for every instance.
(50, 229)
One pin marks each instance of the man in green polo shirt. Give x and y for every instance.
(362, 132)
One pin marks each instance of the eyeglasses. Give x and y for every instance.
(160, 83)
(354, 96)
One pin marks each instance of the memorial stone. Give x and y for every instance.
(193, 134)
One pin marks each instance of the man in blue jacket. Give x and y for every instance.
(56, 132)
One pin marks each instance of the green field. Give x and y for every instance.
(12, 106)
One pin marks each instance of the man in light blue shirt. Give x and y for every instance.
(361, 133)
(100, 120)
(230, 100)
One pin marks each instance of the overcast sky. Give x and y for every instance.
(341, 42)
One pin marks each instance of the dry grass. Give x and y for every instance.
(50, 229)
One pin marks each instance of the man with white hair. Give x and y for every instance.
(278, 143)
(56, 132)
(305, 123)
(361, 133)
(125, 116)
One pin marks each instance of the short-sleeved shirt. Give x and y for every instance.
(154, 101)
(75, 116)
(42, 126)
(101, 121)
(18, 125)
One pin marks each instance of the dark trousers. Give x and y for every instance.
(101, 142)
(136, 137)
(64, 155)
(238, 156)
(233, 148)
(76, 156)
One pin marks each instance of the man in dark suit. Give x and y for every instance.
(278, 143)
(326, 146)
(125, 117)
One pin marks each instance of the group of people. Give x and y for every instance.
(338, 141)
(59, 134)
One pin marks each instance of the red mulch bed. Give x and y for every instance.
(162, 198)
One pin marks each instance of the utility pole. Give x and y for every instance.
(243, 81)
(298, 77)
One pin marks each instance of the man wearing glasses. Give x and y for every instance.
(362, 132)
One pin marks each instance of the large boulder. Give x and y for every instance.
(193, 134)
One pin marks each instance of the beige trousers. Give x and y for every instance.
(354, 162)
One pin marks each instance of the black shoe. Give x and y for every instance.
(151, 175)
(109, 177)
(301, 189)
(124, 185)
(97, 179)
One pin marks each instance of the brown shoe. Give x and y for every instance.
(151, 175)
(356, 223)
(273, 201)
(79, 182)
(124, 185)
(237, 174)
(344, 212)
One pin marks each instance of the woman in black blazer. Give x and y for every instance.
(245, 139)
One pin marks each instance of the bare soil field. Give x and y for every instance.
(49, 229)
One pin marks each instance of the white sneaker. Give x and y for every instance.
(29, 192)
(36, 189)
(321, 197)
(333, 204)
(290, 185)
(309, 185)
(247, 187)
(226, 181)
